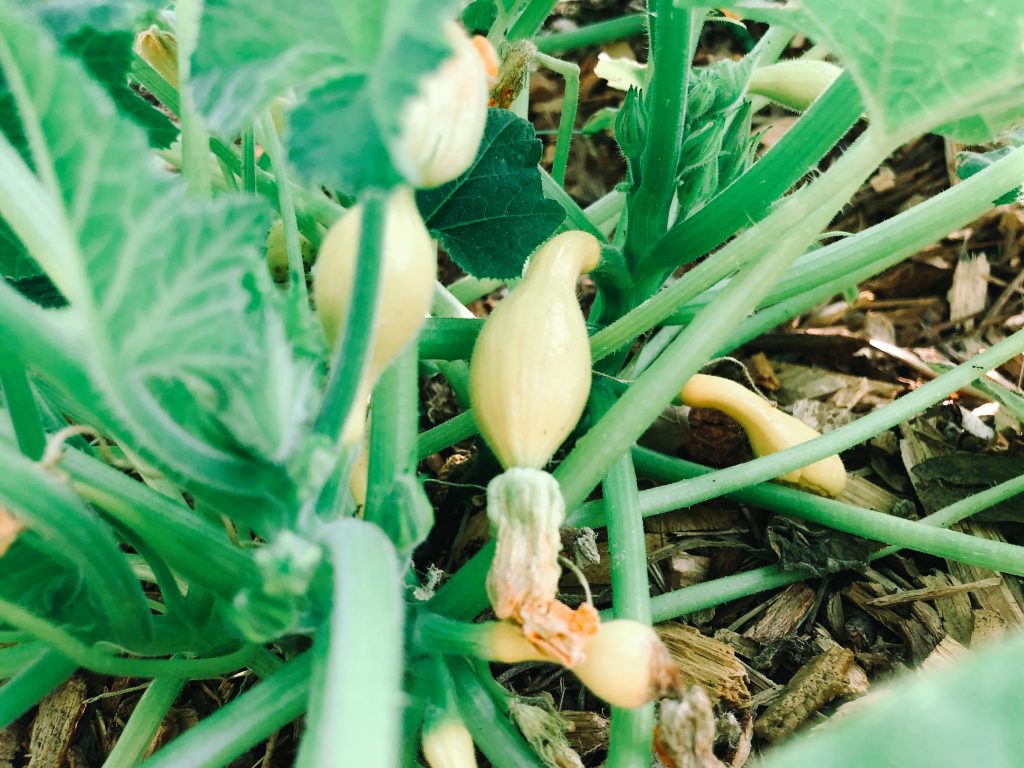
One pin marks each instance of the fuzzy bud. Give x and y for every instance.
(9, 530)
(448, 744)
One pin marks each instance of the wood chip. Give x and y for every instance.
(921, 629)
(968, 294)
(763, 372)
(933, 593)
(55, 724)
(988, 627)
(861, 492)
(945, 654)
(705, 661)
(783, 615)
(9, 746)
(955, 610)
(586, 731)
(814, 685)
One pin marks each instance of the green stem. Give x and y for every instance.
(449, 338)
(577, 218)
(772, 45)
(570, 73)
(463, 595)
(750, 197)
(631, 729)
(865, 523)
(23, 691)
(493, 734)
(674, 33)
(531, 19)
(856, 258)
(249, 161)
(796, 223)
(57, 515)
(102, 662)
(144, 722)
(195, 140)
(197, 549)
(468, 289)
(394, 415)
(446, 434)
(242, 723)
(593, 34)
(14, 657)
(22, 407)
(718, 591)
(352, 348)
(355, 702)
(286, 204)
(435, 633)
(690, 492)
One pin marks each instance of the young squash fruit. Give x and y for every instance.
(768, 429)
(529, 377)
(447, 743)
(408, 271)
(444, 122)
(529, 380)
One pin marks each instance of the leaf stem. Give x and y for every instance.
(631, 729)
(593, 34)
(717, 591)
(673, 35)
(22, 407)
(570, 73)
(144, 722)
(355, 701)
(286, 204)
(23, 691)
(243, 722)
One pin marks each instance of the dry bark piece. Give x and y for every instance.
(814, 685)
(10, 742)
(933, 593)
(921, 629)
(783, 615)
(587, 731)
(988, 626)
(945, 654)
(706, 661)
(55, 724)
(955, 610)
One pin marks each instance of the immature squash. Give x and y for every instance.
(768, 429)
(444, 122)
(407, 276)
(530, 372)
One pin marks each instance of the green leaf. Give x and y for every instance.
(166, 295)
(970, 163)
(108, 58)
(949, 66)
(479, 16)
(966, 714)
(355, 65)
(66, 17)
(494, 216)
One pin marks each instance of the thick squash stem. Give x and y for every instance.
(768, 429)
(526, 511)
